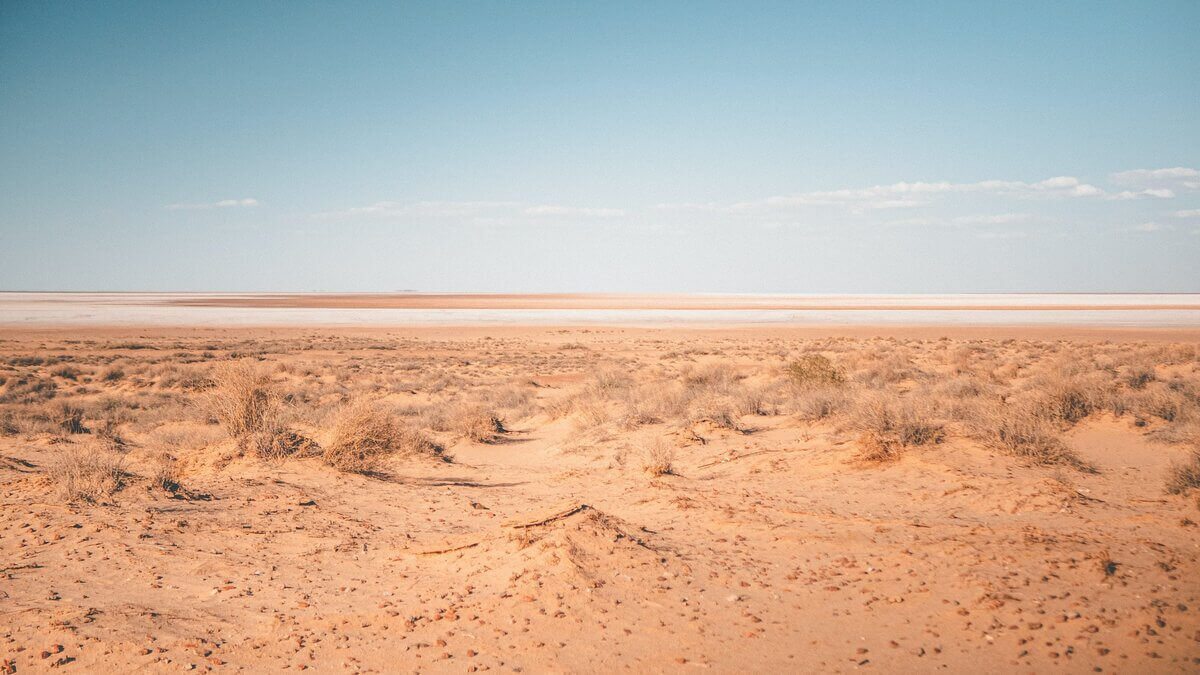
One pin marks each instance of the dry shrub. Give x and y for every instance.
(112, 374)
(244, 400)
(248, 405)
(478, 424)
(1185, 476)
(277, 443)
(1022, 430)
(8, 424)
(67, 372)
(27, 389)
(1140, 375)
(68, 418)
(762, 400)
(894, 422)
(1159, 402)
(637, 409)
(718, 377)
(717, 410)
(165, 472)
(876, 447)
(814, 371)
(819, 404)
(1073, 398)
(659, 459)
(365, 434)
(88, 473)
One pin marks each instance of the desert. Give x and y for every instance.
(461, 336)
(598, 498)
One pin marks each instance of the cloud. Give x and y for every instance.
(1140, 176)
(1179, 177)
(573, 211)
(919, 193)
(1187, 213)
(423, 209)
(992, 219)
(1153, 193)
(220, 204)
(477, 212)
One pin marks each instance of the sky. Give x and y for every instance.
(795, 147)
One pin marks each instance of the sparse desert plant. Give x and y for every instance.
(67, 372)
(659, 459)
(8, 424)
(478, 424)
(165, 472)
(895, 420)
(819, 404)
(1140, 375)
(1185, 476)
(112, 374)
(244, 400)
(814, 370)
(874, 446)
(1022, 430)
(28, 389)
(68, 418)
(364, 434)
(277, 443)
(1071, 398)
(717, 410)
(88, 473)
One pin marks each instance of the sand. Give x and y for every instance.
(770, 547)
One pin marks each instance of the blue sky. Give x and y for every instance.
(734, 147)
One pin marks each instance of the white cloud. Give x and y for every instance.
(1002, 235)
(905, 194)
(423, 209)
(477, 212)
(1151, 193)
(992, 219)
(690, 206)
(1188, 213)
(220, 204)
(1143, 176)
(573, 211)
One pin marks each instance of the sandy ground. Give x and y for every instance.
(769, 548)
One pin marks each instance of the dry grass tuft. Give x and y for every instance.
(889, 425)
(821, 403)
(365, 434)
(248, 405)
(1071, 399)
(1185, 477)
(813, 371)
(1023, 431)
(876, 447)
(68, 418)
(87, 473)
(244, 400)
(478, 424)
(659, 459)
(165, 473)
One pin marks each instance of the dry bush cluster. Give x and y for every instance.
(88, 473)
(366, 434)
(367, 400)
(888, 425)
(1185, 476)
